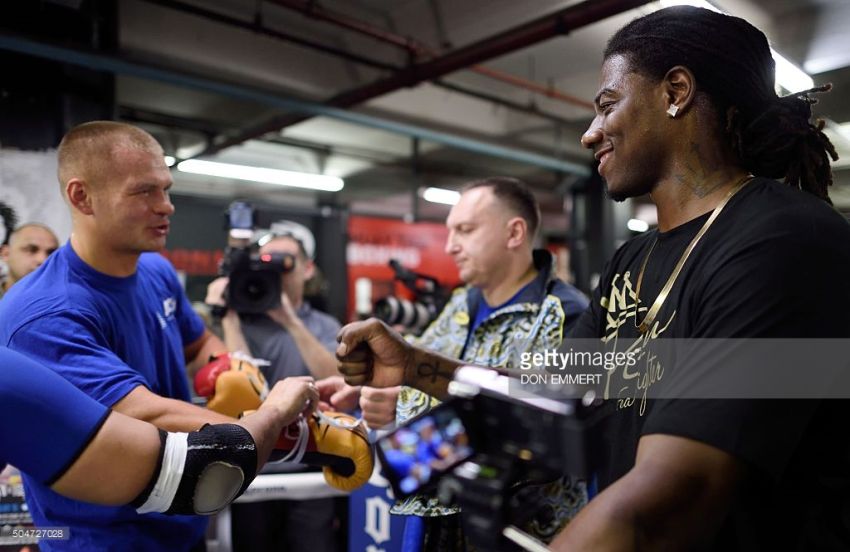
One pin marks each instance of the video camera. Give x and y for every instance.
(254, 278)
(476, 447)
(414, 316)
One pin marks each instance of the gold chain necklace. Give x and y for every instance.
(644, 326)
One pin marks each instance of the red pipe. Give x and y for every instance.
(316, 11)
(548, 91)
(412, 46)
(561, 22)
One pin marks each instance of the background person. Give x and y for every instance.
(296, 340)
(28, 246)
(512, 301)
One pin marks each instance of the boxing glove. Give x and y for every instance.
(232, 384)
(333, 440)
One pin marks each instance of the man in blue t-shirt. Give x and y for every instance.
(110, 316)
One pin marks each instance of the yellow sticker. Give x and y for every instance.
(462, 318)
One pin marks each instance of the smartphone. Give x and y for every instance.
(415, 455)
(241, 215)
(240, 219)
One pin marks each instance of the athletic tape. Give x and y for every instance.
(173, 460)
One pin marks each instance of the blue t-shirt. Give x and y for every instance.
(485, 310)
(105, 335)
(51, 440)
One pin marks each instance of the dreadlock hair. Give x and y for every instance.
(772, 136)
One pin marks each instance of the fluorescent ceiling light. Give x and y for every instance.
(788, 76)
(441, 195)
(839, 134)
(258, 174)
(637, 225)
(695, 3)
(647, 212)
(844, 130)
(169, 161)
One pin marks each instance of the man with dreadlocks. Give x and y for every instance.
(687, 112)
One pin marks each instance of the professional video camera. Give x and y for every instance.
(476, 447)
(254, 279)
(414, 316)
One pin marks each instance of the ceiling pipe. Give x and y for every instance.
(530, 109)
(417, 49)
(348, 56)
(548, 91)
(272, 33)
(558, 23)
(314, 10)
(100, 62)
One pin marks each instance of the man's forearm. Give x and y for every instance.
(601, 525)
(265, 427)
(234, 339)
(674, 498)
(167, 414)
(430, 372)
(320, 361)
(198, 353)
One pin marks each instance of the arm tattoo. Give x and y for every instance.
(430, 372)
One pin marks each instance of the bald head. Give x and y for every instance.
(29, 245)
(87, 150)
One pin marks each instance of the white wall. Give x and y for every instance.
(29, 185)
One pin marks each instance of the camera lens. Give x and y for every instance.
(413, 315)
(253, 291)
(388, 309)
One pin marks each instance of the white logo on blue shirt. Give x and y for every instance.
(169, 306)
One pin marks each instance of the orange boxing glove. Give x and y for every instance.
(232, 384)
(333, 440)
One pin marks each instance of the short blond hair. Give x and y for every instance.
(86, 148)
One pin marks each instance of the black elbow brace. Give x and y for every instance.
(200, 472)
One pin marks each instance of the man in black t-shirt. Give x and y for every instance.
(687, 112)
(774, 264)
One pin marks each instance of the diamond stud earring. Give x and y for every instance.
(672, 110)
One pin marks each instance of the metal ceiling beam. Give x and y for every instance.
(419, 50)
(99, 62)
(258, 28)
(561, 22)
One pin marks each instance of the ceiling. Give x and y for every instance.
(397, 95)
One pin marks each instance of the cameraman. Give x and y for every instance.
(297, 341)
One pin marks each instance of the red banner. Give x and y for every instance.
(374, 241)
(194, 262)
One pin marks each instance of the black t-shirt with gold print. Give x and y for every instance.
(774, 264)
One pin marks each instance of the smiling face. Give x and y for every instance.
(630, 133)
